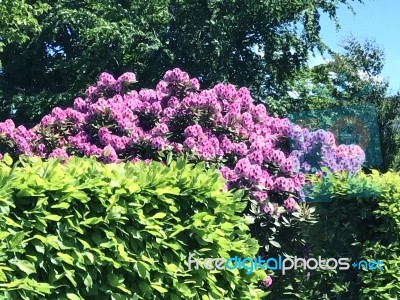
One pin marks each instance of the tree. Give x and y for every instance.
(18, 21)
(350, 80)
(250, 43)
(74, 44)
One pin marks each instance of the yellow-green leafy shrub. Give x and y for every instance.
(85, 230)
(385, 244)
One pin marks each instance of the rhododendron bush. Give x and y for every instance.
(266, 156)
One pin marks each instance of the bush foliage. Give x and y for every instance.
(358, 217)
(86, 230)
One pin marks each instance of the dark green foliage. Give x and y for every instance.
(84, 230)
(347, 79)
(389, 111)
(361, 220)
(69, 44)
(74, 43)
(386, 245)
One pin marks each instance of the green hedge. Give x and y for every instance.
(386, 242)
(84, 230)
(361, 220)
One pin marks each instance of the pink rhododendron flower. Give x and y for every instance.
(290, 204)
(221, 125)
(267, 282)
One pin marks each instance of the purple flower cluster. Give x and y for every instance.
(265, 155)
(319, 149)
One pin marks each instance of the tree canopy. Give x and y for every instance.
(52, 49)
(350, 80)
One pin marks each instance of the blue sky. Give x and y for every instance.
(377, 19)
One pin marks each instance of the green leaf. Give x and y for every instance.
(90, 256)
(72, 296)
(85, 244)
(25, 266)
(179, 228)
(159, 215)
(11, 222)
(123, 288)
(169, 159)
(171, 268)
(70, 275)
(3, 276)
(88, 281)
(142, 269)
(159, 288)
(66, 258)
(7, 159)
(113, 279)
(44, 288)
(63, 205)
(275, 244)
(92, 221)
(53, 218)
(133, 188)
(4, 235)
(18, 238)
